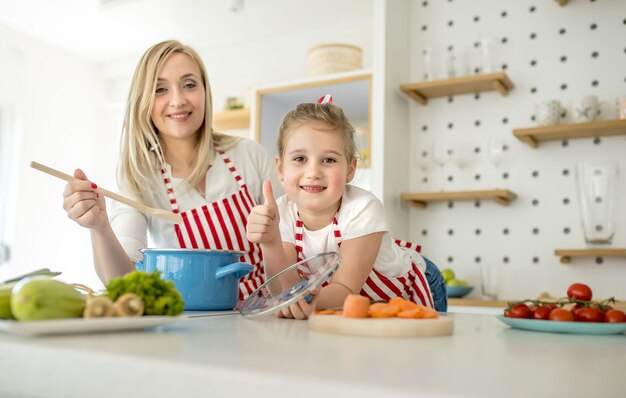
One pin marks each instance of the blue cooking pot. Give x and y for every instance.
(206, 279)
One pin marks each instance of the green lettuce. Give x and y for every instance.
(160, 297)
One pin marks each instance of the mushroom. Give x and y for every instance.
(98, 307)
(129, 304)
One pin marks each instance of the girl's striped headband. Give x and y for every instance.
(327, 99)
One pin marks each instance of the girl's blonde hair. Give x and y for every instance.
(141, 157)
(327, 113)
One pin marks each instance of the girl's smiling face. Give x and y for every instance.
(314, 169)
(179, 98)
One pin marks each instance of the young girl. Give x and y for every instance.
(321, 212)
(171, 158)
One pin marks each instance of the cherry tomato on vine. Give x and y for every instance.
(590, 314)
(576, 308)
(561, 315)
(520, 310)
(550, 306)
(579, 291)
(614, 316)
(542, 312)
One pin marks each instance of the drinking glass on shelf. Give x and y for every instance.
(489, 281)
(462, 156)
(598, 194)
(486, 47)
(427, 63)
(440, 153)
(496, 150)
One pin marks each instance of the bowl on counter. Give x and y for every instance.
(459, 291)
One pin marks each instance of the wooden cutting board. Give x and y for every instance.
(377, 327)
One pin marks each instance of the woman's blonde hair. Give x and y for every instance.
(142, 155)
(326, 113)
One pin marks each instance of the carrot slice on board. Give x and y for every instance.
(413, 313)
(324, 312)
(383, 310)
(355, 306)
(429, 313)
(403, 304)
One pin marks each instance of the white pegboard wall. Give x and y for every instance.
(549, 52)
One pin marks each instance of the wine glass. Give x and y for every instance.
(461, 155)
(440, 153)
(497, 148)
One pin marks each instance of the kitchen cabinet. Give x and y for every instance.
(235, 119)
(567, 254)
(500, 196)
(535, 135)
(423, 91)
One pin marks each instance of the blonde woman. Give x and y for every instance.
(172, 159)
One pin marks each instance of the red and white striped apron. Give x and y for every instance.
(221, 225)
(411, 286)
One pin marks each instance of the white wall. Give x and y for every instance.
(57, 97)
(448, 234)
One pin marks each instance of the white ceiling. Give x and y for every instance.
(106, 29)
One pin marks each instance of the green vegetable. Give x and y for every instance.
(160, 297)
(5, 301)
(44, 298)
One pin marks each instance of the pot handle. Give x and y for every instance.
(239, 269)
(139, 266)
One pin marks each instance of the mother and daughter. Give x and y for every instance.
(171, 158)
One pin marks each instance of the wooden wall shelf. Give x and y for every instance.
(533, 136)
(501, 196)
(422, 91)
(231, 120)
(463, 302)
(567, 254)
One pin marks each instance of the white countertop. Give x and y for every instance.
(228, 356)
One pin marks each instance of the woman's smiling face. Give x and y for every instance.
(314, 168)
(179, 98)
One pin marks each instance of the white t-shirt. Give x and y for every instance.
(360, 214)
(248, 157)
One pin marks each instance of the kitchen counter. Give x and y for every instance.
(228, 356)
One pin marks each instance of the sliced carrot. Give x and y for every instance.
(413, 313)
(325, 312)
(355, 306)
(338, 312)
(383, 310)
(403, 304)
(429, 313)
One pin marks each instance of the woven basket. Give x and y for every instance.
(333, 58)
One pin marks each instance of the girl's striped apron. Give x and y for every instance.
(221, 225)
(411, 286)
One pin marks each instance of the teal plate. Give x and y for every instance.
(564, 327)
(458, 291)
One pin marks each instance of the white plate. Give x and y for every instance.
(82, 325)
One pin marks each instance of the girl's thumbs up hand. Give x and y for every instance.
(263, 220)
(268, 196)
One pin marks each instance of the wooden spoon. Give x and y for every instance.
(156, 213)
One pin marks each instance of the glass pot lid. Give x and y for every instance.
(313, 271)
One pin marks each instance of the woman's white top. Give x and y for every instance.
(253, 164)
(360, 214)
